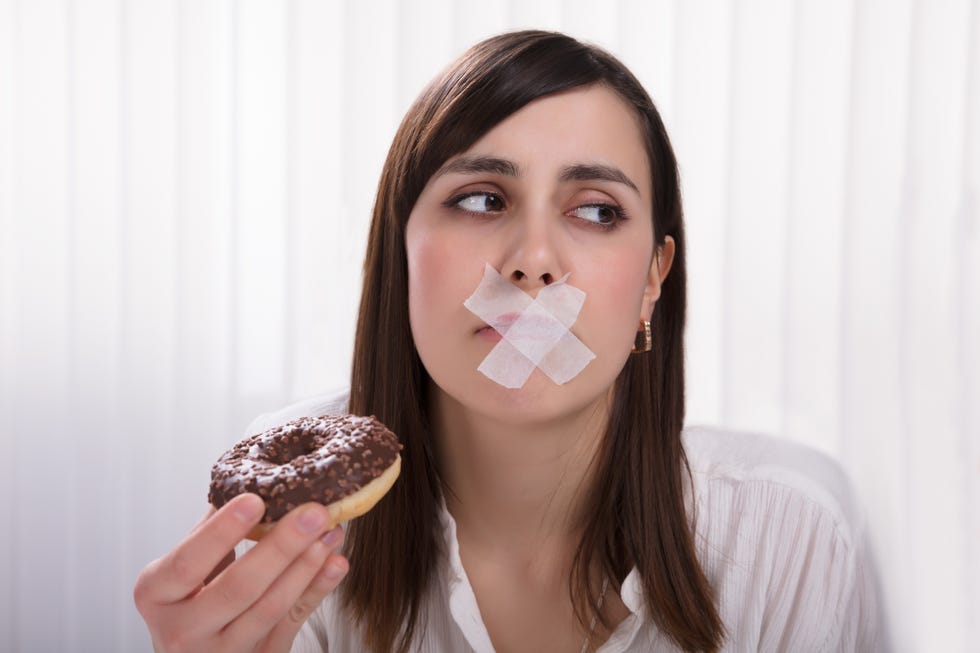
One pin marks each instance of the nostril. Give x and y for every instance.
(517, 275)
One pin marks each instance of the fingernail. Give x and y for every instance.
(310, 521)
(335, 571)
(249, 508)
(333, 538)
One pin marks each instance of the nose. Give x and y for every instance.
(532, 259)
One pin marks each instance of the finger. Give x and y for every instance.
(181, 572)
(325, 582)
(227, 560)
(145, 580)
(284, 595)
(210, 513)
(248, 578)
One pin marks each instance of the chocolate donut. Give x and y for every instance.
(345, 460)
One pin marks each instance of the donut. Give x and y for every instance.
(343, 461)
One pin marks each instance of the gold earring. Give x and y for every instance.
(644, 339)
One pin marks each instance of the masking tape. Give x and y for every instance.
(535, 332)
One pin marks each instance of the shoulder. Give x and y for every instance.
(783, 540)
(333, 402)
(768, 468)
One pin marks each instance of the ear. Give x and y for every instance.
(663, 258)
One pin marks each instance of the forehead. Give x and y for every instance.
(590, 124)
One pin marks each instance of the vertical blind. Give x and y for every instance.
(185, 189)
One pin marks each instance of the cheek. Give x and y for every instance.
(427, 269)
(441, 275)
(424, 265)
(616, 301)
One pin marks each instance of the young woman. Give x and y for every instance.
(547, 500)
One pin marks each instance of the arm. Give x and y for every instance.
(822, 592)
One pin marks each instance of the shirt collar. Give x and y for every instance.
(466, 611)
(462, 600)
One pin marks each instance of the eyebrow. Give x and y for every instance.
(596, 172)
(471, 165)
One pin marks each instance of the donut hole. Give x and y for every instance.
(288, 448)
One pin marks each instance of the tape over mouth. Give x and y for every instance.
(535, 331)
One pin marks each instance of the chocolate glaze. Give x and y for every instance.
(310, 459)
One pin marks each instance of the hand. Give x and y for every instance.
(199, 598)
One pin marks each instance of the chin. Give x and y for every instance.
(539, 400)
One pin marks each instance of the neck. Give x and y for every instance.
(517, 489)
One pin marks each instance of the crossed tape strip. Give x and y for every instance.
(540, 337)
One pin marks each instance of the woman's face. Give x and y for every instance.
(560, 187)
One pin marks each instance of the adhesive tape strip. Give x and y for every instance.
(535, 332)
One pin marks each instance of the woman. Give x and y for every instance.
(545, 501)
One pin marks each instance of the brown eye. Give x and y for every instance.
(480, 202)
(599, 213)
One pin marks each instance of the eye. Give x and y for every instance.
(478, 202)
(601, 214)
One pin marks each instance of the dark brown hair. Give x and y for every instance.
(636, 515)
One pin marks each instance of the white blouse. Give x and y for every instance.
(778, 534)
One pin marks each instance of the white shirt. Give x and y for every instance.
(778, 535)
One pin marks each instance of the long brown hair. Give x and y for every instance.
(636, 514)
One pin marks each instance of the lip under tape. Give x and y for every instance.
(535, 332)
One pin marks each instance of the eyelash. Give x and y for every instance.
(620, 213)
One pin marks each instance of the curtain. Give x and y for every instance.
(185, 190)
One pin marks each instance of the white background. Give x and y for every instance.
(185, 189)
